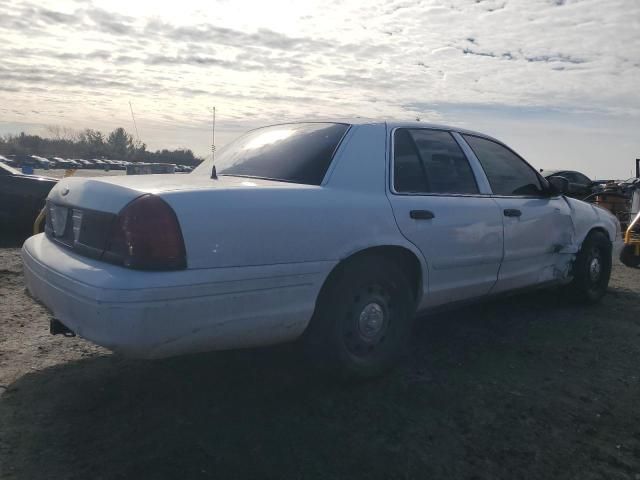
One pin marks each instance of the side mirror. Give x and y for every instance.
(559, 184)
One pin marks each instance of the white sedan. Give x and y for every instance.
(337, 233)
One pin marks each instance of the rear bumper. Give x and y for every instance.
(160, 314)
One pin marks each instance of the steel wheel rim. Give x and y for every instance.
(595, 266)
(371, 320)
(367, 321)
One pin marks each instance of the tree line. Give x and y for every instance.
(88, 143)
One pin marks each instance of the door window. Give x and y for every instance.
(507, 173)
(430, 161)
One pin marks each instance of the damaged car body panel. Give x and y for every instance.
(160, 265)
(585, 217)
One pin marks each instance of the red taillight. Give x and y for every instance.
(146, 235)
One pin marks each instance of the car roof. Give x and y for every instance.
(549, 172)
(438, 126)
(391, 124)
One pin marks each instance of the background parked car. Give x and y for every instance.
(21, 197)
(85, 163)
(142, 168)
(41, 162)
(580, 185)
(67, 163)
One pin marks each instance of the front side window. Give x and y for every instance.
(297, 153)
(507, 173)
(430, 161)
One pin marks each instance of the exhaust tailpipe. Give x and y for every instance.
(57, 327)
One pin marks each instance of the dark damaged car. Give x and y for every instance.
(21, 197)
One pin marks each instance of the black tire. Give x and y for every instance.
(628, 256)
(363, 319)
(592, 269)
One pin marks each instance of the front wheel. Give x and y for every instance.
(592, 268)
(363, 319)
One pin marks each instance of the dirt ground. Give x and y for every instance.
(525, 388)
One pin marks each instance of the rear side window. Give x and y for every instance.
(408, 171)
(298, 153)
(430, 161)
(507, 173)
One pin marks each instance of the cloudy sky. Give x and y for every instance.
(558, 80)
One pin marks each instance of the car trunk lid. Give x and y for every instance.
(83, 213)
(111, 194)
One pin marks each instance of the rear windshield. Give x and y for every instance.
(297, 152)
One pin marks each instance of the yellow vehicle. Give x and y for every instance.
(630, 254)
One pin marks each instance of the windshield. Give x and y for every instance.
(298, 153)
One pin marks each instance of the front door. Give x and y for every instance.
(537, 226)
(439, 207)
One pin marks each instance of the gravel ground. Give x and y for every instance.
(527, 387)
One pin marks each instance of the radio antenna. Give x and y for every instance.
(214, 174)
(134, 121)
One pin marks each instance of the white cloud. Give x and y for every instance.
(79, 63)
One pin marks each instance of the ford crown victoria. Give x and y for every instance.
(329, 232)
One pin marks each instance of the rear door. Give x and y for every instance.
(536, 225)
(442, 204)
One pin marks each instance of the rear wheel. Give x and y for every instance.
(628, 256)
(592, 268)
(363, 319)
